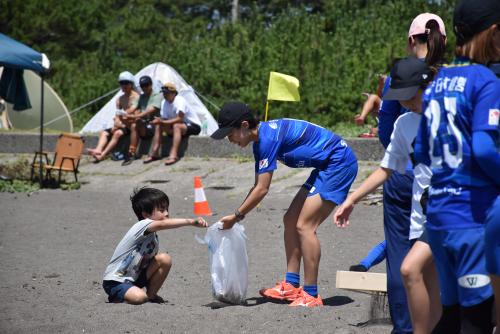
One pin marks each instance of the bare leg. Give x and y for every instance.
(179, 129)
(135, 296)
(101, 143)
(431, 279)
(292, 242)
(157, 273)
(111, 145)
(156, 141)
(134, 138)
(422, 288)
(314, 211)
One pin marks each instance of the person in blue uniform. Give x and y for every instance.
(426, 41)
(492, 235)
(297, 144)
(458, 139)
(410, 77)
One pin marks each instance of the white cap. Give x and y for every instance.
(126, 76)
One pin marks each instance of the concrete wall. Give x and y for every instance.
(11, 142)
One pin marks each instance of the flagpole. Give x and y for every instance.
(267, 108)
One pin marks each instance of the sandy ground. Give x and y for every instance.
(55, 245)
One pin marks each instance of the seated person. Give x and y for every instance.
(108, 139)
(177, 120)
(146, 108)
(371, 106)
(136, 263)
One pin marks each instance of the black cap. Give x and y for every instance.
(145, 81)
(230, 116)
(473, 16)
(407, 75)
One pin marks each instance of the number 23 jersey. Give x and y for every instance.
(462, 99)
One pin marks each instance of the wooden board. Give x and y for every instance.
(366, 282)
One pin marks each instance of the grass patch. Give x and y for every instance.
(18, 186)
(15, 177)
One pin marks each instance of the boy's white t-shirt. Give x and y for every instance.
(171, 110)
(396, 158)
(133, 253)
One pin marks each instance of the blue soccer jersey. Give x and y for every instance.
(296, 144)
(389, 112)
(463, 98)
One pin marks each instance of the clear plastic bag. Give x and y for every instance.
(228, 262)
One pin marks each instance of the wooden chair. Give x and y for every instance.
(66, 158)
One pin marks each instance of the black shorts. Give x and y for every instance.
(125, 130)
(192, 129)
(147, 129)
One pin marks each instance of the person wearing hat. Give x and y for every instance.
(458, 138)
(426, 40)
(297, 144)
(177, 119)
(146, 108)
(108, 139)
(409, 78)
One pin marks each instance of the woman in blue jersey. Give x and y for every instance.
(492, 240)
(458, 139)
(297, 144)
(426, 41)
(410, 77)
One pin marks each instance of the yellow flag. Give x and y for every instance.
(283, 87)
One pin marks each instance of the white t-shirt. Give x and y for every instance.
(171, 110)
(396, 158)
(133, 253)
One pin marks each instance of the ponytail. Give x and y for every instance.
(436, 43)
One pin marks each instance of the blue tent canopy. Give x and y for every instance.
(19, 56)
(15, 57)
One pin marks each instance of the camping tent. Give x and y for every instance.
(56, 116)
(160, 73)
(16, 57)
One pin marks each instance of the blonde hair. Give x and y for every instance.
(481, 48)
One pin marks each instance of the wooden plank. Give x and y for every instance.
(366, 282)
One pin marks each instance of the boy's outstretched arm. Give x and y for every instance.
(377, 178)
(169, 223)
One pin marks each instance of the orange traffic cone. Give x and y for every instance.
(201, 207)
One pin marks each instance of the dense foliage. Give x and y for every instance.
(334, 47)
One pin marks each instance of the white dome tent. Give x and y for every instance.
(160, 73)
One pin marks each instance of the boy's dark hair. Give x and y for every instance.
(147, 199)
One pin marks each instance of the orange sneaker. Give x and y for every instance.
(282, 291)
(307, 300)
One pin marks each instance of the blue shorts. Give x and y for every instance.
(461, 265)
(492, 239)
(334, 182)
(116, 290)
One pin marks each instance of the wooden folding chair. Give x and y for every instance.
(66, 158)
